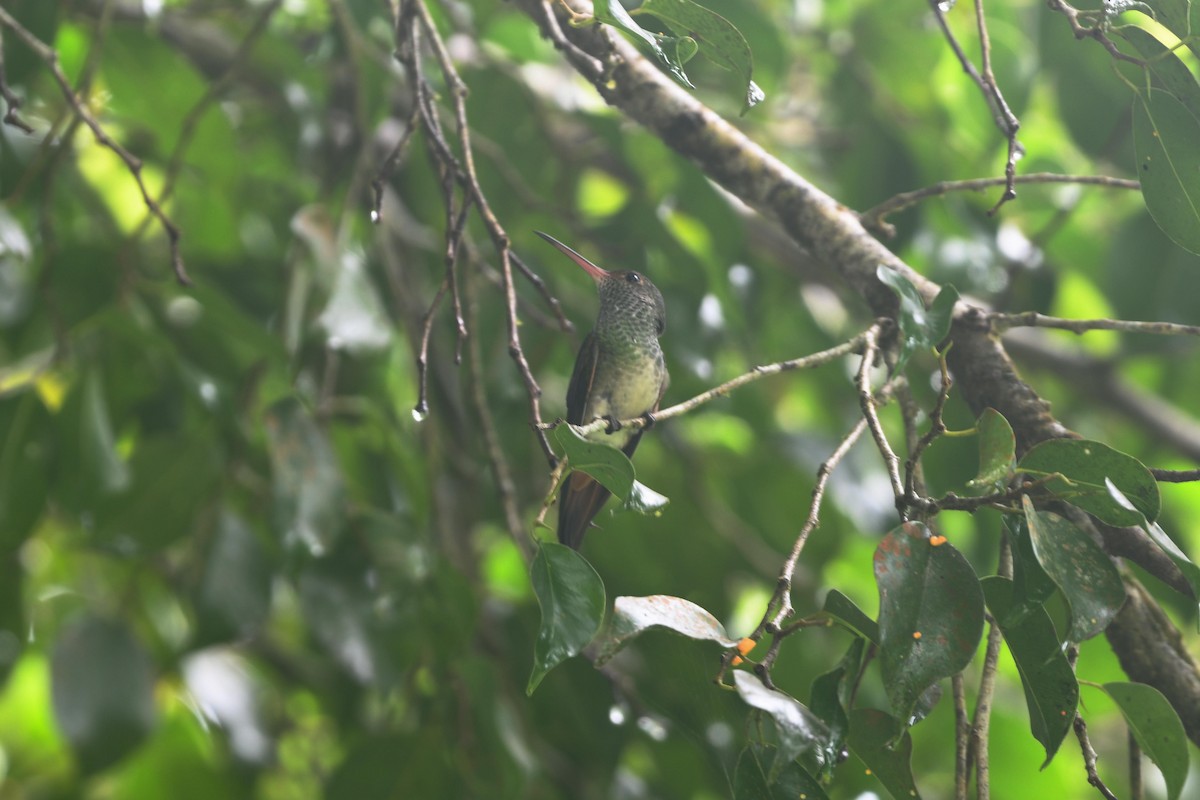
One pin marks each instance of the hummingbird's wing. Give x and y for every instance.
(580, 387)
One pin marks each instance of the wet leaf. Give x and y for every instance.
(354, 319)
(613, 13)
(1051, 691)
(931, 613)
(1157, 729)
(753, 780)
(872, 735)
(571, 596)
(234, 596)
(1084, 466)
(920, 328)
(1191, 572)
(305, 478)
(645, 500)
(843, 610)
(633, 616)
(605, 463)
(800, 730)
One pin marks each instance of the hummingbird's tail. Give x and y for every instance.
(579, 502)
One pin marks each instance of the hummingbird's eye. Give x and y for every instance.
(633, 277)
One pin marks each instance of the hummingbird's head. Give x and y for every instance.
(623, 292)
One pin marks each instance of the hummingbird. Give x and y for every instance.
(619, 374)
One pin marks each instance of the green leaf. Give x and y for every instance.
(1083, 466)
(633, 616)
(613, 13)
(1051, 691)
(305, 478)
(605, 463)
(920, 328)
(1168, 165)
(26, 448)
(800, 730)
(1157, 729)
(997, 451)
(645, 500)
(931, 613)
(842, 609)
(234, 596)
(571, 596)
(830, 699)
(751, 779)
(1077, 565)
(1180, 17)
(103, 691)
(872, 735)
(1169, 72)
(1191, 572)
(720, 41)
(1032, 587)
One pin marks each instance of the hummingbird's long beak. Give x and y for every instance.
(596, 272)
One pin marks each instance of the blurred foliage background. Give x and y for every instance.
(236, 564)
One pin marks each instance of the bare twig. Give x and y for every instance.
(11, 117)
(1032, 319)
(867, 401)
(1089, 758)
(1176, 475)
(875, 218)
(962, 736)
(50, 57)
(395, 156)
(1097, 31)
(977, 747)
(936, 428)
(804, 362)
(501, 472)
(1003, 116)
(1136, 787)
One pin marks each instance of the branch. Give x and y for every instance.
(1032, 319)
(804, 362)
(867, 402)
(49, 57)
(875, 218)
(1089, 758)
(11, 117)
(1097, 31)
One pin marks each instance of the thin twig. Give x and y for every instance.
(1176, 475)
(866, 401)
(962, 736)
(1089, 758)
(11, 117)
(804, 362)
(937, 427)
(875, 217)
(1096, 31)
(1002, 115)
(977, 747)
(501, 472)
(394, 157)
(1032, 319)
(812, 521)
(50, 57)
(1137, 790)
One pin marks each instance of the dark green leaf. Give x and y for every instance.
(997, 451)
(1168, 163)
(830, 700)
(234, 596)
(571, 596)
(1180, 17)
(1191, 572)
(843, 610)
(1077, 565)
(719, 40)
(1051, 691)
(605, 463)
(306, 480)
(800, 730)
(1169, 72)
(920, 328)
(633, 616)
(26, 447)
(103, 690)
(613, 13)
(1157, 729)
(645, 500)
(931, 613)
(1032, 587)
(751, 777)
(872, 735)
(1083, 466)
